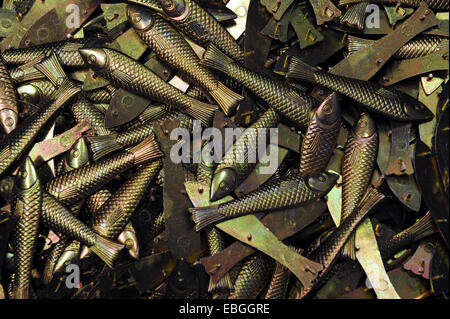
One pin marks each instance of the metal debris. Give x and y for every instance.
(350, 99)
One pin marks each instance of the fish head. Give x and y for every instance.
(173, 8)
(30, 93)
(329, 111)
(8, 118)
(78, 155)
(416, 110)
(365, 126)
(140, 19)
(322, 182)
(223, 184)
(96, 58)
(27, 175)
(85, 252)
(129, 239)
(68, 257)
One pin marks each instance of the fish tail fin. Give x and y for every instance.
(205, 216)
(349, 248)
(423, 227)
(203, 112)
(299, 70)
(65, 92)
(215, 59)
(52, 69)
(355, 44)
(224, 283)
(147, 150)
(107, 250)
(21, 292)
(355, 16)
(103, 145)
(226, 98)
(29, 72)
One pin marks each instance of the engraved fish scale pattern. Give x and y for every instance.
(115, 213)
(45, 86)
(135, 135)
(390, 247)
(55, 253)
(25, 234)
(204, 174)
(196, 93)
(20, 138)
(279, 193)
(82, 109)
(357, 171)
(254, 275)
(16, 75)
(278, 285)
(157, 225)
(363, 93)
(99, 96)
(210, 31)
(159, 113)
(96, 200)
(186, 122)
(67, 52)
(7, 92)
(177, 52)
(331, 247)
(420, 229)
(317, 147)
(74, 186)
(240, 148)
(58, 218)
(60, 167)
(292, 104)
(144, 82)
(216, 241)
(419, 47)
(64, 240)
(317, 242)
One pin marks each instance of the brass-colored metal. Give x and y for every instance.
(427, 177)
(48, 149)
(400, 158)
(404, 69)
(420, 262)
(307, 34)
(183, 241)
(282, 223)
(325, 11)
(327, 253)
(433, 4)
(369, 258)
(252, 232)
(188, 17)
(364, 64)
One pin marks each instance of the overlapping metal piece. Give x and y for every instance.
(108, 145)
